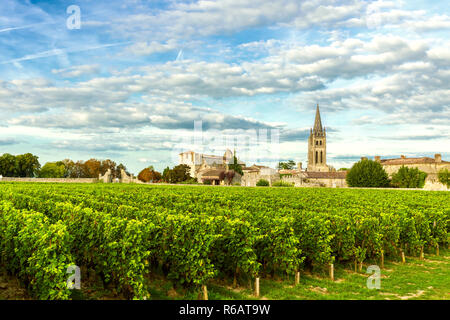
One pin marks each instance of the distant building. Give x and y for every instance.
(332, 179)
(431, 166)
(199, 163)
(318, 173)
(255, 173)
(317, 146)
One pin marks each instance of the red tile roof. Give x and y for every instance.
(400, 161)
(212, 173)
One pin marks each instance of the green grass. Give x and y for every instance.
(417, 279)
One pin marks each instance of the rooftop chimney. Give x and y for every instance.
(299, 166)
(437, 158)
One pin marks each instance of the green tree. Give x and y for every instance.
(444, 177)
(367, 173)
(180, 173)
(286, 165)
(407, 177)
(52, 170)
(8, 165)
(235, 166)
(27, 165)
(166, 176)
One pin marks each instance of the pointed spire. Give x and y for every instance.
(318, 122)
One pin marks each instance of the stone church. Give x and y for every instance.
(317, 146)
(317, 173)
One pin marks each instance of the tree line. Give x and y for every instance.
(27, 166)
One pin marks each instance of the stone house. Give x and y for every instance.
(332, 179)
(217, 176)
(255, 173)
(431, 166)
(200, 161)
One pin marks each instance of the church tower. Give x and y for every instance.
(317, 146)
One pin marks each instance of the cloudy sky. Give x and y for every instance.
(130, 82)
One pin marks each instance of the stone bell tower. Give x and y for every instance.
(317, 146)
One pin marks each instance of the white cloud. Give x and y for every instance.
(77, 71)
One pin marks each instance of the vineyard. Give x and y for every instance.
(193, 235)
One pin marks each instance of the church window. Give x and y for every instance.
(317, 143)
(320, 142)
(321, 157)
(317, 157)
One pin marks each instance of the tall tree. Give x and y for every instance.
(108, 164)
(92, 168)
(407, 177)
(52, 170)
(166, 176)
(235, 166)
(180, 173)
(148, 174)
(8, 165)
(367, 173)
(27, 165)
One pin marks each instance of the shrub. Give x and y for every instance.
(409, 178)
(262, 183)
(367, 173)
(282, 183)
(189, 181)
(208, 182)
(147, 175)
(444, 177)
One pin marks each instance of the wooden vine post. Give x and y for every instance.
(403, 257)
(297, 278)
(437, 249)
(205, 292)
(257, 287)
(235, 277)
(421, 253)
(331, 269)
(382, 258)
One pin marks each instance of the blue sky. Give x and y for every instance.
(130, 82)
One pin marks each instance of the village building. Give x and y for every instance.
(317, 173)
(210, 167)
(431, 166)
(255, 173)
(332, 179)
(317, 146)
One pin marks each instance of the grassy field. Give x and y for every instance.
(427, 279)
(417, 279)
